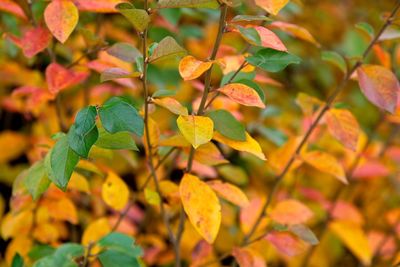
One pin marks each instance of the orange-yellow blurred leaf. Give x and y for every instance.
(230, 192)
(197, 130)
(290, 212)
(201, 205)
(209, 154)
(343, 126)
(12, 145)
(46, 233)
(295, 30)
(172, 105)
(191, 68)
(21, 245)
(250, 145)
(62, 209)
(242, 94)
(272, 6)
(18, 224)
(353, 236)
(95, 231)
(115, 192)
(326, 163)
(61, 17)
(379, 85)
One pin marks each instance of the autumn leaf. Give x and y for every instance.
(33, 40)
(115, 192)
(201, 205)
(286, 243)
(379, 85)
(137, 17)
(250, 145)
(209, 154)
(230, 192)
(343, 126)
(242, 94)
(295, 30)
(272, 6)
(291, 212)
(61, 17)
(327, 163)
(188, 3)
(353, 236)
(95, 231)
(191, 68)
(13, 8)
(172, 105)
(59, 78)
(197, 130)
(247, 257)
(167, 48)
(97, 6)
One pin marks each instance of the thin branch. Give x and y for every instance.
(326, 107)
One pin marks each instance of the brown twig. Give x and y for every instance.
(326, 107)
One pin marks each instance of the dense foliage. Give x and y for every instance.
(199, 133)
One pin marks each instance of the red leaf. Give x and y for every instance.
(33, 41)
(286, 243)
(12, 7)
(59, 78)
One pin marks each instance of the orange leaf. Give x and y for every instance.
(59, 78)
(62, 209)
(12, 7)
(353, 236)
(250, 145)
(242, 94)
(61, 17)
(291, 212)
(201, 205)
(33, 41)
(13, 225)
(272, 6)
(247, 257)
(115, 192)
(342, 125)
(96, 230)
(326, 163)
(191, 68)
(295, 30)
(379, 85)
(209, 154)
(270, 39)
(172, 105)
(230, 192)
(12, 145)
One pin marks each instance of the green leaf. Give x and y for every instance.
(255, 86)
(163, 93)
(272, 60)
(117, 73)
(40, 251)
(250, 18)
(120, 140)
(64, 256)
(304, 233)
(274, 135)
(167, 48)
(366, 28)
(85, 120)
(36, 180)
(188, 3)
(137, 17)
(17, 261)
(119, 250)
(334, 58)
(250, 35)
(172, 15)
(82, 143)
(60, 162)
(117, 115)
(238, 77)
(227, 125)
(124, 51)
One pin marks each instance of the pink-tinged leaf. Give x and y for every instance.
(286, 243)
(249, 214)
(376, 243)
(33, 41)
(242, 94)
(343, 126)
(295, 30)
(59, 78)
(291, 212)
(346, 211)
(247, 257)
(230, 192)
(33, 98)
(12, 7)
(117, 73)
(371, 169)
(270, 39)
(61, 17)
(379, 85)
(97, 6)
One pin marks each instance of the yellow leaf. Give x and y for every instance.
(250, 145)
(230, 192)
(343, 126)
(79, 182)
(191, 68)
(176, 140)
(96, 230)
(17, 224)
(280, 157)
(209, 154)
(201, 205)
(326, 163)
(172, 105)
(291, 212)
(46, 233)
(197, 130)
(62, 209)
(152, 197)
(12, 145)
(272, 6)
(21, 245)
(242, 94)
(115, 192)
(353, 236)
